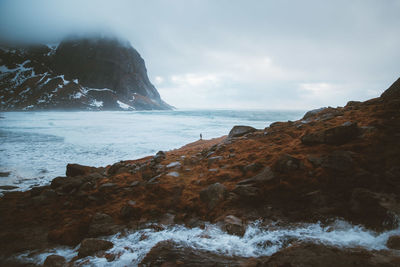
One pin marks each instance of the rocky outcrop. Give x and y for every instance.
(91, 246)
(96, 73)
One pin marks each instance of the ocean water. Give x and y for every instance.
(35, 147)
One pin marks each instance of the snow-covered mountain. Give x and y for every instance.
(101, 73)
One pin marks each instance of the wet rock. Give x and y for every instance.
(70, 234)
(338, 161)
(5, 174)
(8, 187)
(78, 170)
(55, 261)
(240, 130)
(102, 224)
(321, 255)
(333, 136)
(90, 246)
(213, 195)
(287, 163)
(393, 242)
(169, 253)
(367, 209)
(234, 226)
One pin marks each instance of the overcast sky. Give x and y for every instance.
(237, 54)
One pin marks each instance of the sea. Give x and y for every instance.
(35, 147)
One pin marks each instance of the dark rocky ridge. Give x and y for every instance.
(98, 73)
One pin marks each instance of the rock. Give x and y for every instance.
(78, 170)
(246, 191)
(234, 226)
(67, 184)
(312, 113)
(367, 209)
(315, 160)
(90, 246)
(321, 255)
(5, 174)
(393, 92)
(37, 190)
(173, 174)
(168, 253)
(334, 136)
(240, 130)
(393, 242)
(175, 164)
(129, 211)
(107, 186)
(253, 167)
(211, 160)
(264, 176)
(338, 161)
(160, 156)
(102, 224)
(70, 234)
(55, 261)
(287, 163)
(8, 187)
(115, 168)
(213, 195)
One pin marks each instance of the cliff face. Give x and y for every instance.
(85, 73)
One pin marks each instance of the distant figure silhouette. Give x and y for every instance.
(201, 137)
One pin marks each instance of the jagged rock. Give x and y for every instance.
(287, 163)
(333, 136)
(312, 113)
(67, 184)
(90, 246)
(115, 168)
(394, 242)
(78, 170)
(213, 194)
(55, 261)
(240, 130)
(234, 226)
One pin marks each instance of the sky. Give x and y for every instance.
(236, 54)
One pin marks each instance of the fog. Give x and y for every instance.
(236, 54)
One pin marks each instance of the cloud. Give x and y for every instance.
(237, 54)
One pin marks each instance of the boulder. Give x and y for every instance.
(264, 176)
(246, 191)
(67, 184)
(287, 163)
(334, 136)
(240, 130)
(160, 156)
(234, 226)
(90, 246)
(55, 261)
(393, 242)
(213, 195)
(78, 170)
(102, 224)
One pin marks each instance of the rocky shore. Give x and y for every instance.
(333, 163)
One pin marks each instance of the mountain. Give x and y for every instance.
(96, 73)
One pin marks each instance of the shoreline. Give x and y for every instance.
(333, 163)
